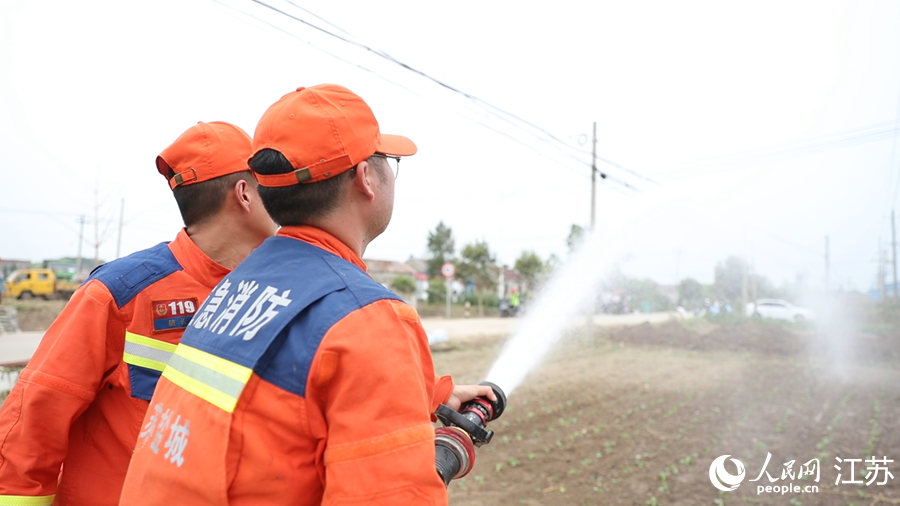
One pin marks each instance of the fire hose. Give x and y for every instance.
(464, 430)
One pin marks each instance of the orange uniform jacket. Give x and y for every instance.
(79, 403)
(301, 381)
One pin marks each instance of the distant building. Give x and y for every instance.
(670, 291)
(386, 271)
(68, 266)
(509, 279)
(875, 293)
(7, 266)
(420, 265)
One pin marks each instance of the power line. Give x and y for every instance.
(480, 123)
(502, 114)
(317, 48)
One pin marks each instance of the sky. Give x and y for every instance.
(749, 129)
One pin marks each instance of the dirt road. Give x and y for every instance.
(471, 328)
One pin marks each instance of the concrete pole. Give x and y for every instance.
(881, 292)
(121, 220)
(80, 242)
(826, 264)
(449, 283)
(594, 180)
(96, 224)
(894, 251)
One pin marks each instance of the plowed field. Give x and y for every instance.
(636, 415)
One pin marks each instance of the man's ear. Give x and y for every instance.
(362, 181)
(242, 194)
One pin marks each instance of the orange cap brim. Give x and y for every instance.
(396, 145)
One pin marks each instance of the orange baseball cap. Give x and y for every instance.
(203, 152)
(323, 131)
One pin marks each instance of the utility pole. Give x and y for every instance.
(826, 264)
(590, 311)
(894, 251)
(677, 267)
(594, 180)
(96, 223)
(744, 284)
(80, 242)
(744, 288)
(121, 219)
(881, 292)
(753, 277)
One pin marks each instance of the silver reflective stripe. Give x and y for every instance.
(146, 352)
(214, 379)
(207, 376)
(139, 350)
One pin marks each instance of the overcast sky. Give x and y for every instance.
(764, 126)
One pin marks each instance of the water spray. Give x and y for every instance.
(463, 430)
(566, 296)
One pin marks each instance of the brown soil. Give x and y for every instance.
(36, 315)
(636, 415)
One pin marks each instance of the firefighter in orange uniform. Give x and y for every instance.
(68, 428)
(302, 380)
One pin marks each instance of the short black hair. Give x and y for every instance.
(199, 202)
(300, 203)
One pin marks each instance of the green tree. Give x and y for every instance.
(729, 279)
(690, 294)
(531, 267)
(478, 266)
(575, 238)
(403, 285)
(644, 294)
(441, 248)
(437, 290)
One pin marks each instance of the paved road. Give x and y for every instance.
(473, 328)
(16, 349)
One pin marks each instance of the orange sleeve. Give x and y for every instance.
(59, 383)
(376, 403)
(443, 387)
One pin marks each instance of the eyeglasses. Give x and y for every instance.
(392, 161)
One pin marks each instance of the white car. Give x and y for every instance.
(782, 310)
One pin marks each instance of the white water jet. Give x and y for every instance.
(568, 293)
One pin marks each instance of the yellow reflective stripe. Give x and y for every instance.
(146, 352)
(143, 362)
(209, 394)
(213, 379)
(22, 500)
(150, 342)
(217, 364)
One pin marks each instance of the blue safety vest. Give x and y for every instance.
(268, 317)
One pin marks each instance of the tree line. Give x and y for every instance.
(477, 266)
